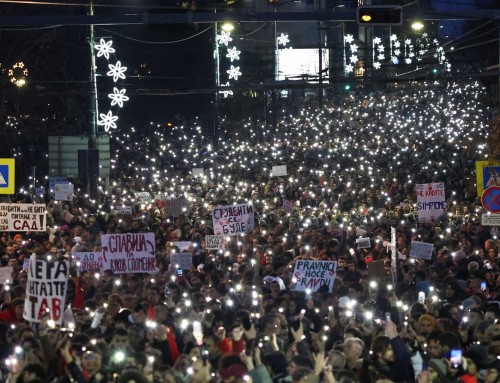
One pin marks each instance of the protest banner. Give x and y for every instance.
(430, 202)
(182, 261)
(88, 261)
(6, 275)
(46, 290)
(161, 200)
(198, 172)
(64, 192)
(233, 219)
(183, 245)
(278, 171)
(214, 242)
(421, 250)
(124, 210)
(128, 253)
(287, 206)
(363, 243)
(311, 275)
(23, 217)
(143, 197)
(53, 181)
(176, 206)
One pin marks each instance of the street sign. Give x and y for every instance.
(491, 199)
(490, 219)
(7, 175)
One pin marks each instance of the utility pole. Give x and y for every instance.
(92, 164)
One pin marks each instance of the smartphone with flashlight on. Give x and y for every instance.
(456, 357)
(483, 285)
(180, 273)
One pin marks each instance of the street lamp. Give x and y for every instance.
(417, 26)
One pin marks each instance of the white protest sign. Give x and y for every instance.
(64, 192)
(183, 261)
(287, 206)
(214, 242)
(421, 250)
(46, 290)
(88, 261)
(430, 202)
(128, 253)
(311, 275)
(233, 219)
(23, 217)
(124, 210)
(143, 197)
(363, 243)
(6, 275)
(278, 171)
(198, 172)
(183, 245)
(176, 206)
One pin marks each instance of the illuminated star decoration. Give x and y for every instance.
(349, 39)
(118, 97)
(227, 92)
(234, 72)
(104, 48)
(117, 71)
(224, 38)
(233, 54)
(283, 39)
(107, 120)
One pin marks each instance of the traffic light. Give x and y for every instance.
(379, 15)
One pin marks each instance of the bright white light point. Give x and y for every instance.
(234, 72)
(104, 48)
(107, 120)
(118, 97)
(224, 38)
(233, 54)
(283, 39)
(117, 71)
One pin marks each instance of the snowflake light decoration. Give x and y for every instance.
(104, 48)
(234, 72)
(118, 97)
(283, 39)
(107, 120)
(224, 38)
(117, 71)
(349, 39)
(227, 92)
(233, 54)
(349, 68)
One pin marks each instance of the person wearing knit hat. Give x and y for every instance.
(437, 370)
(426, 324)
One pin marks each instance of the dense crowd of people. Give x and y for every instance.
(236, 316)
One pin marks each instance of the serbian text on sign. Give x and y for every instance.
(46, 290)
(311, 275)
(23, 217)
(128, 253)
(233, 219)
(431, 202)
